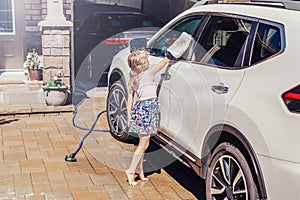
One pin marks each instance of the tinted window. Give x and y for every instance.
(223, 41)
(267, 42)
(90, 25)
(123, 22)
(160, 45)
(103, 23)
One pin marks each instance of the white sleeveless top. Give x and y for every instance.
(146, 88)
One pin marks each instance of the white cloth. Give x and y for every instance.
(180, 45)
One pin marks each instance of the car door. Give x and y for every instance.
(158, 48)
(202, 85)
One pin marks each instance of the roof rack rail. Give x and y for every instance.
(205, 2)
(287, 4)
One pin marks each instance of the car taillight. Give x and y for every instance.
(116, 41)
(291, 99)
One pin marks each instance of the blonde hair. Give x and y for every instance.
(138, 62)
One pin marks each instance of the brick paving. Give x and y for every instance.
(32, 165)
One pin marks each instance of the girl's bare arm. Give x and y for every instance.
(159, 66)
(129, 104)
(176, 50)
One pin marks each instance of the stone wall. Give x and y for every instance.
(68, 9)
(36, 11)
(53, 43)
(33, 15)
(56, 52)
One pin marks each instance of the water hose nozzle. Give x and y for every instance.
(70, 158)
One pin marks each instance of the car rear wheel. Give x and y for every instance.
(229, 176)
(117, 111)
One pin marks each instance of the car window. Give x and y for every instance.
(121, 22)
(162, 42)
(222, 42)
(267, 42)
(90, 25)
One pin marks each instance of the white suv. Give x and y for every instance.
(230, 107)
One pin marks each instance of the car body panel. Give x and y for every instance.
(164, 94)
(282, 178)
(264, 86)
(119, 63)
(205, 107)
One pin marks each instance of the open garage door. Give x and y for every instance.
(102, 28)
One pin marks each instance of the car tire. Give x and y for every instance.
(117, 111)
(229, 176)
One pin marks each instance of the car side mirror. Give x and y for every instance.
(138, 44)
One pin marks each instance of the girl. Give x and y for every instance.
(144, 115)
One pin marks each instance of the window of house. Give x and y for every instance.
(6, 17)
(267, 42)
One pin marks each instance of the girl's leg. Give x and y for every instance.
(137, 156)
(140, 170)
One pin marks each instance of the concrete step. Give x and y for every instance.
(22, 93)
(12, 76)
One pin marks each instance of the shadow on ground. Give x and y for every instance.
(184, 175)
(7, 121)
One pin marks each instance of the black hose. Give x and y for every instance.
(71, 157)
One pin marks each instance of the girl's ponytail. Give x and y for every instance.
(138, 62)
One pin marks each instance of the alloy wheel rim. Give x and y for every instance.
(228, 180)
(118, 111)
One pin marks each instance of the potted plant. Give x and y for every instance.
(32, 68)
(56, 90)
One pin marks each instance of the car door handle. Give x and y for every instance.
(166, 76)
(220, 88)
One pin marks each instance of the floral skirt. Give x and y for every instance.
(144, 117)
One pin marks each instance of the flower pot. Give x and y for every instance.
(35, 74)
(56, 96)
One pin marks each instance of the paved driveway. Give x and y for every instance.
(32, 164)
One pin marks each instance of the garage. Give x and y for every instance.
(103, 28)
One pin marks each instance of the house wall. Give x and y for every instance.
(33, 15)
(36, 11)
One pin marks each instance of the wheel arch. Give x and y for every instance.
(117, 75)
(226, 133)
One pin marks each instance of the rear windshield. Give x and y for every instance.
(127, 21)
